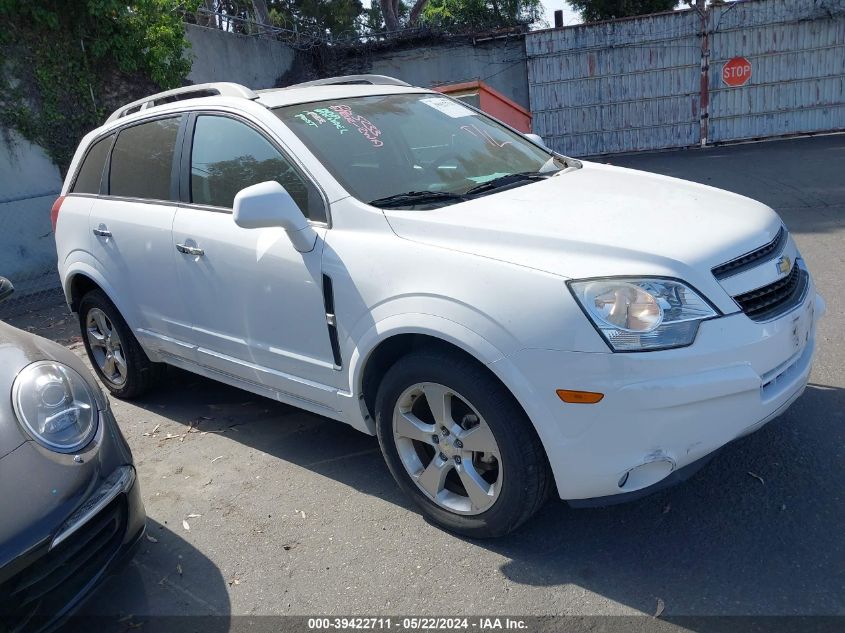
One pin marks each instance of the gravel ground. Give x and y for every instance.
(259, 508)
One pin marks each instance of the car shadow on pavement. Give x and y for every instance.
(167, 577)
(319, 444)
(757, 532)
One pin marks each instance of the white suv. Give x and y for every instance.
(505, 319)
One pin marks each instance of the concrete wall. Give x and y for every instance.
(499, 63)
(252, 61)
(29, 184)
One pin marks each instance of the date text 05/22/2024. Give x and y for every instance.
(418, 623)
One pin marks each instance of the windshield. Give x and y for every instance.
(388, 146)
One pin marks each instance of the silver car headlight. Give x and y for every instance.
(55, 406)
(636, 315)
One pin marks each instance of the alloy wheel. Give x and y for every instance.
(447, 448)
(106, 346)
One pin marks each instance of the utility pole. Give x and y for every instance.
(704, 87)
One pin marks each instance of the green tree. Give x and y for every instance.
(320, 18)
(593, 10)
(478, 14)
(372, 19)
(66, 63)
(392, 12)
(337, 18)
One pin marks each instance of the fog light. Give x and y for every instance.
(647, 474)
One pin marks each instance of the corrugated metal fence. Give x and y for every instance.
(656, 82)
(617, 86)
(797, 53)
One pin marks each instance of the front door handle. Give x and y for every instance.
(190, 250)
(102, 231)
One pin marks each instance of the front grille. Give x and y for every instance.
(773, 300)
(752, 259)
(55, 579)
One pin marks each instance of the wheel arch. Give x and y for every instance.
(376, 349)
(80, 285)
(391, 339)
(81, 279)
(388, 352)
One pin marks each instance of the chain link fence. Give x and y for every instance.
(307, 36)
(28, 253)
(243, 24)
(30, 183)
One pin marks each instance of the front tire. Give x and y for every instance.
(459, 445)
(114, 352)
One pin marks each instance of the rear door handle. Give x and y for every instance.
(102, 232)
(190, 250)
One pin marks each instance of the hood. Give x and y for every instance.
(17, 350)
(600, 221)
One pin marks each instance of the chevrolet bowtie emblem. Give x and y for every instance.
(784, 265)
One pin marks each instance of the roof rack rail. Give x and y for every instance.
(372, 80)
(196, 91)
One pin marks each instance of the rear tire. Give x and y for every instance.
(482, 477)
(120, 363)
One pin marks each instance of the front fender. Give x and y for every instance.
(432, 325)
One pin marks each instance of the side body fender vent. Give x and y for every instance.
(331, 319)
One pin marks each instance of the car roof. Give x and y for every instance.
(226, 92)
(277, 97)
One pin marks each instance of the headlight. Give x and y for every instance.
(55, 406)
(635, 315)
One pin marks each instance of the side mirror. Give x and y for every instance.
(536, 138)
(267, 204)
(6, 288)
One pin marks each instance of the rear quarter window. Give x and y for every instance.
(142, 160)
(90, 174)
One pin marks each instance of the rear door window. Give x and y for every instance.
(91, 172)
(228, 155)
(142, 160)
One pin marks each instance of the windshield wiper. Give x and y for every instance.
(508, 181)
(411, 198)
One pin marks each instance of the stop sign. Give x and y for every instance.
(736, 72)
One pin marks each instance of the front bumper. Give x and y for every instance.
(663, 411)
(54, 579)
